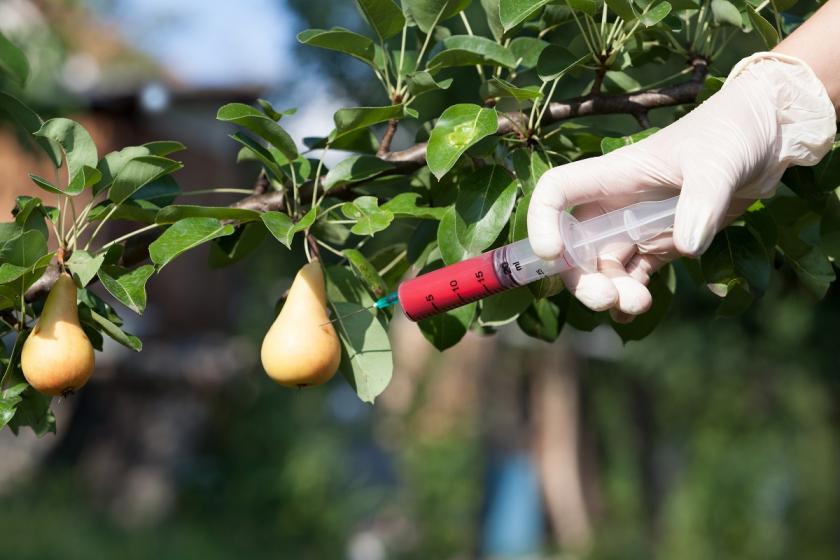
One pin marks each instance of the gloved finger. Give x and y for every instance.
(642, 266)
(639, 268)
(593, 289)
(573, 184)
(621, 317)
(704, 200)
(633, 297)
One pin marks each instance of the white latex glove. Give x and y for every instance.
(772, 113)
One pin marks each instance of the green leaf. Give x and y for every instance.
(139, 172)
(827, 171)
(113, 162)
(164, 147)
(655, 14)
(482, 209)
(468, 50)
(185, 235)
(354, 169)
(519, 221)
(404, 205)
(345, 41)
(446, 329)
(10, 272)
(367, 360)
(76, 142)
(623, 9)
(725, 12)
(529, 166)
(449, 246)
(458, 128)
(111, 329)
(542, 319)
(261, 125)
(160, 192)
(9, 400)
(711, 85)
(423, 82)
(44, 184)
(589, 7)
(494, 20)
(429, 13)
(384, 17)
(34, 411)
(504, 308)
(765, 29)
(355, 118)
(13, 61)
(28, 120)
(527, 50)
(175, 213)
(84, 266)
(662, 286)
(814, 270)
(621, 81)
(501, 88)
(736, 253)
(514, 12)
(233, 248)
(344, 286)
(282, 227)
(86, 177)
(555, 61)
(370, 218)
(24, 250)
(610, 144)
(257, 151)
(269, 110)
(126, 285)
(31, 214)
(361, 141)
(366, 272)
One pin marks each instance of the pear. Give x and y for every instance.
(301, 348)
(57, 358)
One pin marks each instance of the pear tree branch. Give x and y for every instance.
(637, 104)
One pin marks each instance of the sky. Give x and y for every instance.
(229, 43)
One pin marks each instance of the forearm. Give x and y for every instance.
(817, 42)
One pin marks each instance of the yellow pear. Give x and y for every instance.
(301, 348)
(57, 358)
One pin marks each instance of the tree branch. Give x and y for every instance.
(136, 249)
(408, 160)
(388, 137)
(589, 105)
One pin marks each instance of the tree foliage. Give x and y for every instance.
(462, 189)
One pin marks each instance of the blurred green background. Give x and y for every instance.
(713, 438)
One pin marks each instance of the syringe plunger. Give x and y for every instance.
(516, 264)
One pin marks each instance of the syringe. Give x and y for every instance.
(516, 265)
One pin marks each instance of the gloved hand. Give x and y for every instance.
(772, 112)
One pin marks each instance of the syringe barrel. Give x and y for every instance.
(516, 264)
(449, 287)
(476, 278)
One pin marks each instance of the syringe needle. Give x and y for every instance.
(383, 302)
(341, 317)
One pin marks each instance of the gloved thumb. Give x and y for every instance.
(701, 210)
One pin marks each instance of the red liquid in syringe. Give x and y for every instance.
(516, 264)
(473, 279)
(449, 287)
